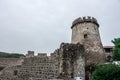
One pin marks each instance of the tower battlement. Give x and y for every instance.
(84, 20)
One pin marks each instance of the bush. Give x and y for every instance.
(106, 72)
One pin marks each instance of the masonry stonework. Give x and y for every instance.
(72, 62)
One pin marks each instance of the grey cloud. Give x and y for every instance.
(41, 25)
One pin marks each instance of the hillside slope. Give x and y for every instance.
(10, 55)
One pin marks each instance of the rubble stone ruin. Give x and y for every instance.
(72, 61)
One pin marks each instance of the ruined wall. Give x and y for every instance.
(10, 61)
(69, 61)
(10, 73)
(55, 56)
(72, 63)
(38, 68)
(41, 67)
(65, 63)
(10, 68)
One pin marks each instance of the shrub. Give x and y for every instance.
(106, 72)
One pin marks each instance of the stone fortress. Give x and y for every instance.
(71, 61)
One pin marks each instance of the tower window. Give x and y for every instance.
(85, 36)
(1, 68)
(94, 28)
(15, 72)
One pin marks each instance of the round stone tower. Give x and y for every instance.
(85, 31)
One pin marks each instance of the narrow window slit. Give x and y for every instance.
(85, 36)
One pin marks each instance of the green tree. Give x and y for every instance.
(10, 55)
(116, 52)
(106, 72)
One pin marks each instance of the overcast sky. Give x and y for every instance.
(41, 25)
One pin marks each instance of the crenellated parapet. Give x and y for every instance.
(30, 54)
(84, 20)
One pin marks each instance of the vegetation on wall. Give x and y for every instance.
(116, 52)
(106, 72)
(10, 55)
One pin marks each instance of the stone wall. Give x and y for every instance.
(38, 68)
(10, 68)
(72, 62)
(10, 61)
(55, 56)
(10, 73)
(64, 63)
